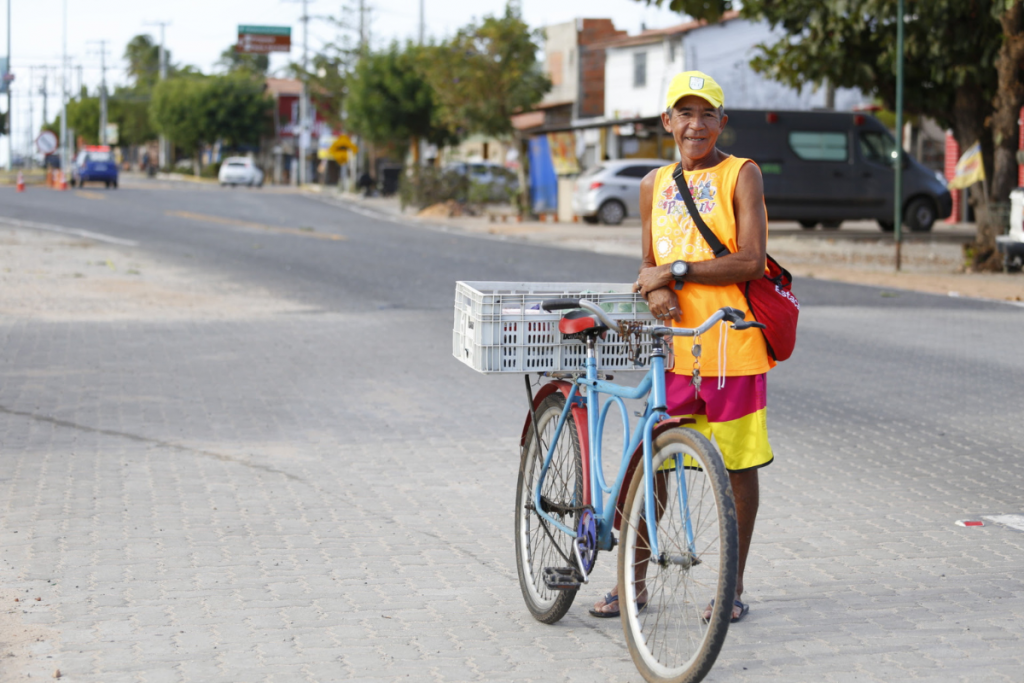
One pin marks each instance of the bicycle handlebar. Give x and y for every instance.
(732, 315)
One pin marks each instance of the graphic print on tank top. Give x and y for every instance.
(679, 236)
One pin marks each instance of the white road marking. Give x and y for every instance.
(76, 232)
(1013, 521)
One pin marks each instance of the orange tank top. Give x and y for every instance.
(674, 236)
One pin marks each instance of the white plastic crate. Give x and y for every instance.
(500, 327)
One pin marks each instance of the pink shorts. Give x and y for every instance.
(733, 416)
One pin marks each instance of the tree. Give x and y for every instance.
(234, 61)
(192, 111)
(177, 110)
(390, 103)
(950, 55)
(143, 57)
(84, 119)
(485, 74)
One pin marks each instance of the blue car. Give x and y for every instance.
(94, 165)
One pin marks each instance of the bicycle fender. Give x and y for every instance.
(638, 457)
(579, 415)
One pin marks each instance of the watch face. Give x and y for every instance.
(679, 268)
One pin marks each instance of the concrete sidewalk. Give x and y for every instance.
(858, 253)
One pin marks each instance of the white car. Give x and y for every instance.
(240, 171)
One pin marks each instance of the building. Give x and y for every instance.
(281, 154)
(639, 69)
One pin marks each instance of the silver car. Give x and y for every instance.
(611, 191)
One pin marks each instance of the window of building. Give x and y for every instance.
(639, 69)
(819, 146)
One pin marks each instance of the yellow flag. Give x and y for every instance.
(969, 169)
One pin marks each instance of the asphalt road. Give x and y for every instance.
(328, 496)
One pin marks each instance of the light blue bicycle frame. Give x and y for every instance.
(653, 386)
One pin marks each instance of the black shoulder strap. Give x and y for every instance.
(709, 236)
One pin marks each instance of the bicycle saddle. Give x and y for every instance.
(580, 323)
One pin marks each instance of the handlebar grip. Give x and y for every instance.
(559, 304)
(744, 325)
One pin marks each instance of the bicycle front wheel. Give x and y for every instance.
(538, 543)
(663, 599)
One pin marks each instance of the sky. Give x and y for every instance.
(199, 30)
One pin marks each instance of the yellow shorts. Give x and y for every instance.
(734, 415)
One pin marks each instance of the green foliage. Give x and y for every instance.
(390, 103)
(143, 57)
(178, 110)
(234, 61)
(485, 74)
(431, 186)
(192, 111)
(84, 119)
(852, 43)
(210, 170)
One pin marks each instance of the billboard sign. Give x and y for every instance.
(261, 40)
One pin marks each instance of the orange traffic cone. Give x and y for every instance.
(62, 183)
(21, 182)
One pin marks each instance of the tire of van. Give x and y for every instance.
(611, 212)
(808, 224)
(887, 226)
(830, 225)
(920, 214)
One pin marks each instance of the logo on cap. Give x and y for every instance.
(696, 82)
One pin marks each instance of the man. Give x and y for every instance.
(729, 194)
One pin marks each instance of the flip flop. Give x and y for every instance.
(744, 608)
(609, 599)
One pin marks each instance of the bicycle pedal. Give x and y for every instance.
(561, 578)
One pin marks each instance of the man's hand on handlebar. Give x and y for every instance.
(664, 305)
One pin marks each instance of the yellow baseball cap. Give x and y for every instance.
(694, 83)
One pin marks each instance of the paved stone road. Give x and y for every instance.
(327, 497)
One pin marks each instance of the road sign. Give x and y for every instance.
(46, 143)
(260, 40)
(340, 149)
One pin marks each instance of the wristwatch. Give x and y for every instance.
(679, 270)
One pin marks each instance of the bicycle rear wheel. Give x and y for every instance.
(537, 542)
(667, 636)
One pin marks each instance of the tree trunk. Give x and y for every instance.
(1002, 172)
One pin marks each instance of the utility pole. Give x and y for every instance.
(44, 93)
(10, 128)
(163, 151)
(64, 146)
(304, 127)
(103, 90)
(421, 22)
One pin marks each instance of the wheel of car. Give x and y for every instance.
(887, 226)
(830, 225)
(115, 184)
(808, 224)
(590, 219)
(106, 184)
(920, 215)
(611, 212)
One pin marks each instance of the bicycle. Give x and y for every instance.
(679, 542)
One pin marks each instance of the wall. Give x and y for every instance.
(724, 52)
(560, 62)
